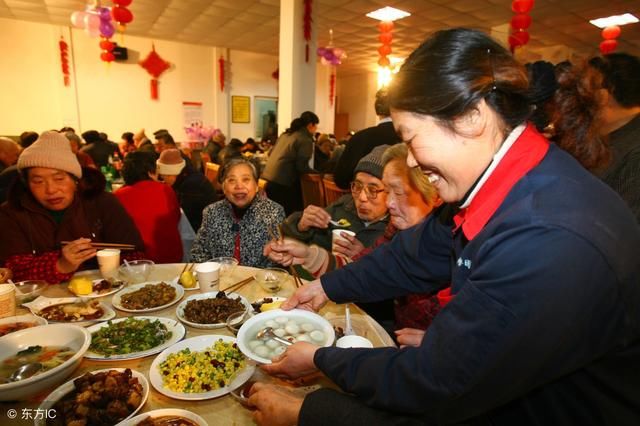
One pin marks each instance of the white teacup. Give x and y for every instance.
(208, 274)
(109, 262)
(354, 342)
(335, 235)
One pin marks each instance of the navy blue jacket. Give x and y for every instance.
(544, 328)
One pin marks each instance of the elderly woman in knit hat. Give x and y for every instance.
(193, 190)
(239, 225)
(55, 201)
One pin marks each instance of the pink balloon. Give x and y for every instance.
(105, 14)
(92, 24)
(338, 52)
(321, 51)
(77, 19)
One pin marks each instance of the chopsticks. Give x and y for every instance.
(239, 284)
(106, 245)
(292, 270)
(187, 267)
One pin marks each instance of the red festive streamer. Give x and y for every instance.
(307, 27)
(221, 69)
(64, 60)
(332, 86)
(154, 89)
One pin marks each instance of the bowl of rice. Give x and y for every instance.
(199, 368)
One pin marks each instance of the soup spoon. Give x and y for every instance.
(342, 223)
(24, 372)
(268, 333)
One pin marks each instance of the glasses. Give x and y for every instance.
(371, 191)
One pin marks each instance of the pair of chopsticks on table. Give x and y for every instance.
(292, 269)
(239, 284)
(106, 245)
(187, 267)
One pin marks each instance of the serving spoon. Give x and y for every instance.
(267, 333)
(24, 372)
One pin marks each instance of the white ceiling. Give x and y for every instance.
(253, 24)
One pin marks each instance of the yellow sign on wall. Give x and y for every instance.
(240, 109)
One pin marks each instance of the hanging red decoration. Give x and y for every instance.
(307, 28)
(522, 6)
(385, 37)
(520, 22)
(107, 50)
(609, 44)
(332, 86)
(121, 14)
(155, 66)
(276, 74)
(64, 60)
(612, 32)
(221, 72)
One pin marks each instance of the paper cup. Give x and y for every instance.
(208, 274)
(7, 300)
(109, 262)
(335, 235)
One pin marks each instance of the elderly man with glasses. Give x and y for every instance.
(364, 212)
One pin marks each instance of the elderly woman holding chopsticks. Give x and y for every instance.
(58, 215)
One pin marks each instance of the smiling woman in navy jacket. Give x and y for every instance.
(541, 323)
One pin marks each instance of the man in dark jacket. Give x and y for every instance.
(98, 148)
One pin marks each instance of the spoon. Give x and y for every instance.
(24, 372)
(268, 333)
(348, 330)
(339, 223)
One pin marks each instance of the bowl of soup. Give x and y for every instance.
(58, 347)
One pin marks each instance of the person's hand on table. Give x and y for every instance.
(286, 252)
(5, 275)
(310, 297)
(274, 405)
(409, 337)
(348, 247)
(74, 254)
(313, 217)
(295, 362)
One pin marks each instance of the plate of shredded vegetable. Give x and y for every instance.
(132, 337)
(199, 368)
(147, 297)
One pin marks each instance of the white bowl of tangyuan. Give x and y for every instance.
(296, 325)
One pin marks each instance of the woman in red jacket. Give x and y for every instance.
(153, 206)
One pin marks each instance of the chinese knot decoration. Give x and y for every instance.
(609, 44)
(155, 66)
(520, 22)
(64, 60)
(307, 27)
(385, 37)
(331, 56)
(97, 21)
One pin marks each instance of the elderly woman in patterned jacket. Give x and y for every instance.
(239, 225)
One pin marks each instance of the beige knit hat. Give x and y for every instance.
(170, 162)
(51, 150)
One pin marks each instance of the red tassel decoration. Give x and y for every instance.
(221, 69)
(64, 60)
(307, 27)
(154, 89)
(332, 86)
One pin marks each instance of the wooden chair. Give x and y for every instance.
(312, 190)
(262, 185)
(331, 191)
(211, 171)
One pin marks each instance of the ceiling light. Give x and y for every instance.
(627, 18)
(388, 14)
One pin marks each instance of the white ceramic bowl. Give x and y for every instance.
(256, 323)
(12, 321)
(354, 342)
(26, 291)
(72, 336)
(165, 412)
(137, 271)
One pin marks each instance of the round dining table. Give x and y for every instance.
(223, 410)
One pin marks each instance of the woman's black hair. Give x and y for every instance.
(137, 165)
(235, 161)
(453, 70)
(128, 136)
(620, 73)
(304, 120)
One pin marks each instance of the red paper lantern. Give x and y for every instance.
(520, 21)
(121, 15)
(384, 61)
(609, 33)
(384, 50)
(608, 46)
(385, 26)
(107, 45)
(522, 6)
(123, 3)
(385, 38)
(107, 56)
(521, 36)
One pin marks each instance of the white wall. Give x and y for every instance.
(356, 96)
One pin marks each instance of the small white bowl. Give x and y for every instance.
(256, 323)
(72, 336)
(33, 320)
(165, 412)
(354, 342)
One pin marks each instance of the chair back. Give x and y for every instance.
(211, 171)
(331, 191)
(312, 190)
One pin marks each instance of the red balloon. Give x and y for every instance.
(384, 50)
(122, 15)
(385, 26)
(611, 32)
(107, 45)
(608, 46)
(520, 21)
(123, 3)
(107, 56)
(385, 38)
(384, 61)
(522, 6)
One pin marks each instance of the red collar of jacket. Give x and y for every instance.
(526, 153)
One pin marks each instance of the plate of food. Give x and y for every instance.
(19, 322)
(132, 337)
(101, 397)
(147, 297)
(166, 417)
(71, 310)
(199, 368)
(84, 287)
(210, 310)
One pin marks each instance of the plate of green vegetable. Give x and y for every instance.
(132, 337)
